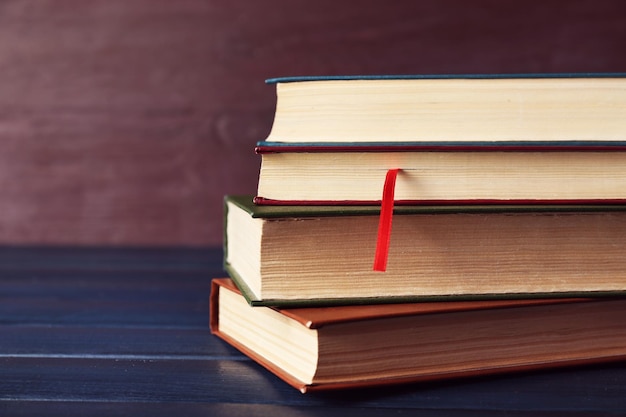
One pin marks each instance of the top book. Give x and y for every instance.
(455, 108)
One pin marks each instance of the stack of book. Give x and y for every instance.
(418, 228)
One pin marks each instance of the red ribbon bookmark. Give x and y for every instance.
(384, 223)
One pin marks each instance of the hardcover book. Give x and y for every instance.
(315, 255)
(357, 346)
(506, 139)
(450, 108)
(563, 173)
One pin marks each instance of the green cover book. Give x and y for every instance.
(320, 255)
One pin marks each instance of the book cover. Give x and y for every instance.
(316, 255)
(444, 173)
(456, 139)
(469, 76)
(406, 343)
(458, 108)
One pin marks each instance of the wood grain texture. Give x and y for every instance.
(219, 381)
(125, 122)
(191, 409)
(125, 332)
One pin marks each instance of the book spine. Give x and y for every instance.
(579, 203)
(522, 146)
(304, 78)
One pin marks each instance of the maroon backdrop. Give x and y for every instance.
(124, 122)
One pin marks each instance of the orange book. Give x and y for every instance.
(368, 345)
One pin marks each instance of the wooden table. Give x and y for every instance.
(125, 332)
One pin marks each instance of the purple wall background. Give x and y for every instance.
(124, 122)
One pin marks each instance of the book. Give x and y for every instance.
(456, 139)
(370, 345)
(539, 173)
(315, 255)
(472, 108)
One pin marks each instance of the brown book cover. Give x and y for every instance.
(476, 337)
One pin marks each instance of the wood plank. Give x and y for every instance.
(109, 287)
(70, 409)
(151, 298)
(124, 332)
(599, 389)
(113, 343)
(86, 258)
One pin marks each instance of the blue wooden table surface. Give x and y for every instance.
(90, 331)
